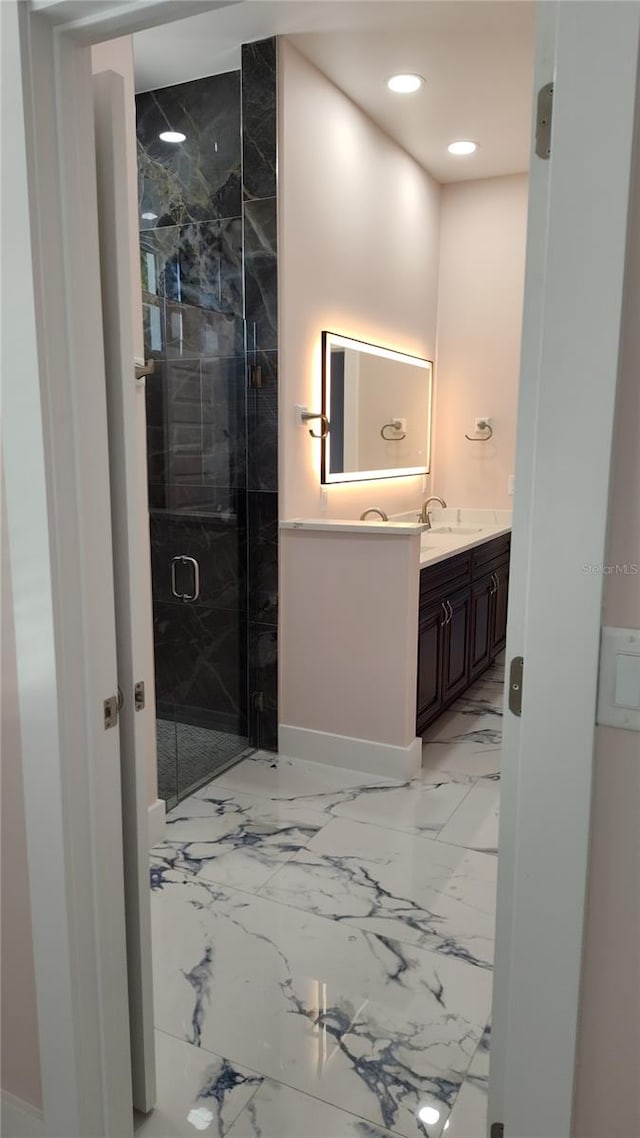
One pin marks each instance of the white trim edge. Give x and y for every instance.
(157, 815)
(20, 1119)
(354, 754)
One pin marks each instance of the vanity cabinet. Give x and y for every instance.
(462, 624)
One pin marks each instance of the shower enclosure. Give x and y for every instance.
(207, 205)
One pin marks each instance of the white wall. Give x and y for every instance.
(353, 211)
(117, 55)
(20, 1052)
(345, 595)
(607, 1085)
(481, 286)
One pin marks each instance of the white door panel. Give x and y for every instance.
(133, 613)
(573, 305)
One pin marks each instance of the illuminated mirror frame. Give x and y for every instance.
(333, 340)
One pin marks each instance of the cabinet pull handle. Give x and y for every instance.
(446, 615)
(496, 582)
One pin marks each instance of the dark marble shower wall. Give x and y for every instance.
(259, 191)
(209, 273)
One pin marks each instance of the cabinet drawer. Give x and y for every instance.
(490, 551)
(438, 581)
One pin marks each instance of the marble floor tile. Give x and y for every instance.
(468, 1118)
(197, 1091)
(314, 785)
(418, 807)
(413, 889)
(277, 1111)
(467, 739)
(232, 838)
(421, 806)
(375, 1028)
(443, 758)
(475, 823)
(483, 699)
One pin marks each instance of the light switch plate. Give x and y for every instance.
(619, 681)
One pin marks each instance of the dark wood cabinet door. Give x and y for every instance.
(499, 629)
(430, 640)
(455, 651)
(482, 625)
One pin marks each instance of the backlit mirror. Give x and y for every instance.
(379, 406)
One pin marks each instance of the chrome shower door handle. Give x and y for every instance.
(188, 598)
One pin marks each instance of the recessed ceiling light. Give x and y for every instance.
(404, 84)
(462, 147)
(172, 136)
(149, 216)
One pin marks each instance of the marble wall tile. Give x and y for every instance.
(192, 332)
(153, 323)
(261, 274)
(262, 425)
(209, 275)
(200, 658)
(218, 547)
(197, 264)
(263, 557)
(224, 410)
(263, 677)
(198, 179)
(157, 472)
(205, 500)
(259, 119)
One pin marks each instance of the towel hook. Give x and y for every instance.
(305, 416)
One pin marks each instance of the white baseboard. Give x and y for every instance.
(355, 754)
(20, 1119)
(157, 815)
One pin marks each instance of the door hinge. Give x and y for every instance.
(515, 685)
(138, 696)
(544, 117)
(257, 700)
(497, 1130)
(255, 375)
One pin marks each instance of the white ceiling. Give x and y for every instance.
(476, 57)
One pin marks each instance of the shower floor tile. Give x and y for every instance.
(188, 755)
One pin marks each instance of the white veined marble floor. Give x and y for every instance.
(323, 944)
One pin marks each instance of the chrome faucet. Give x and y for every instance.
(374, 510)
(424, 513)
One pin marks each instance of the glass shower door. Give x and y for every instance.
(196, 409)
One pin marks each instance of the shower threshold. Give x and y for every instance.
(189, 757)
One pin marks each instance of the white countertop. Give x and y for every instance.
(487, 524)
(436, 547)
(348, 525)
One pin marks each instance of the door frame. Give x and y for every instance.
(55, 422)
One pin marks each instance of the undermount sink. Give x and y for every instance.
(453, 529)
